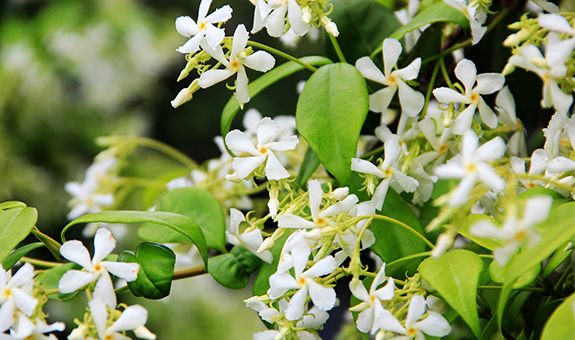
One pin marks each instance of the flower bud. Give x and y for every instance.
(444, 241)
(512, 40)
(515, 25)
(185, 95)
(508, 69)
(306, 16)
(267, 244)
(273, 205)
(330, 26)
(340, 193)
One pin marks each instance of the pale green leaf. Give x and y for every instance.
(15, 225)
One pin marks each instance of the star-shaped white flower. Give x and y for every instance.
(26, 329)
(16, 295)
(132, 318)
(322, 297)
(411, 101)
(96, 269)
(487, 83)
(371, 307)
(434, 324)
(515, 231)
(251, 238)
(262, 152)
(187, 27)
(470, 166)
(474, 14)
(259, 61)
(275, 21)
(538, 165)
(507, 115)
(388, 170)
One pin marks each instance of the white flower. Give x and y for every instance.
(538, 164)
(470, 166)
(251, 238)
(96, 269)
(187, 27)
(508, 116)
(276, 19)
(514, 230)
(411, 101)
(259, 61)
(487, 83)
(260, 14)
(551, 69)
(262, 152)
(387, 170)
(371, 307)
(133, 318)
(434, 324)
(322, 297)
(16, 294)
(556, 23)
(404, 16)
(26, 329)
(474, 14)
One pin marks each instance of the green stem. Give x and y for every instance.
(405, 226)
(337, 48)
(429, 90)
(166, 149)
(445, 74)
(529, 289)
(40, 263)
(282, 54)
(372, 152)
(190, 272)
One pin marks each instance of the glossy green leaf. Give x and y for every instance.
(498, 274)
(438, 12)
(12, 205)
(542, 316)
(427, 46)
(330, 113)
(156, 269)
(233, 270)
(393, 242)
(179, 223)
(15, 225)
(556, 260)
(308, 167)
(49, 280)
(262, 284)
(17, 254)
(267, 79)
(554, 237)
(538, 191)
(455, 275)
(561, 324)
(363, 25)
(199, 205)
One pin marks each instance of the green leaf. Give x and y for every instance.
(561, 324)
(182, 224)
(330, 113)
(469, 221)
(15, 225)
(17, 254)
(258, 85)
(498, 274)
(156, 269)
(427, 46)
(438, 12)
(555, 261)
(197, 204)
(455, 276)
(554, 237)
(12, 205)
(262, 283)
(363, 25)
(233, 270)
(308, 167)
(49, 280)
(393, 242)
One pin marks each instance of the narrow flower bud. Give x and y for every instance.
(266, 245)
(512, 40)
(306, 16)
(330, 26)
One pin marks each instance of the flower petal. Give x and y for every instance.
(295, 14)
(417, 307)
(24, 302)
(132, 317)
(492, 150)
(104, 243)
(276, 21)
(447, 95)
(293, 221)
(73, 280)
(363, 166)
(186, 26)
(322, 297)
(220, 15)
(487, 115)
(411, 100)
(488, 83)
(410, 71)
(214, 35)
(105, 290)
(76, 252)
(556, 22)
(464, 120)
(99, 315)
(243, 166)
(126, 271)
(323, 267)
(537, 209)
(288, 144)
(434, 325)
(213, 77)
(260, 61)
(238, 142)
(391, 51)
(192, 45)
(467, 73)
(369, 71)
(242, 93)
(296, 305)
(274, 168)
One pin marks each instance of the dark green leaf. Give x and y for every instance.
(330, 113)
(197, 204)
(50, 279)
(555, 261)
(455, 275)
(255, 87)
(17, 254)
(363, 25)
(393, 242)
(15, 225)
(233, 270)
(182, 224)
(156, 269)
(308, 167)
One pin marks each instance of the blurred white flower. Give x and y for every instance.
(16, 295)
(133, 318)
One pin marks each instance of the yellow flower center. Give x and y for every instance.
(470, 168)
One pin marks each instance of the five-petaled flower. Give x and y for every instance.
(96, 269)
(16, 294)
(133, 318)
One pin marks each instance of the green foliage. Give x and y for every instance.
(455, 275)
(393, 242)
(199, 205)
(156, 269)
(18, 253)
(15, 225)
(271, 77)
(561, 325)
(308, 166)
(499, 273)
(363, 25)
(330, 113)
(179, 223)
(233, 270)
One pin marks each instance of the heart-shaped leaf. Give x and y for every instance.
(233, 270)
